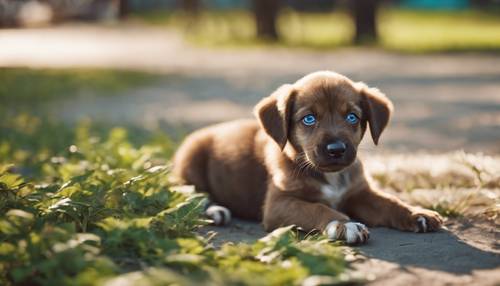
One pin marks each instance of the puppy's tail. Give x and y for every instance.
(218, 214)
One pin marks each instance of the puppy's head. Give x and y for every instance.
(323, 117)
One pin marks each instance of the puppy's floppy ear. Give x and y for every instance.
(377, 109)
(273, 113)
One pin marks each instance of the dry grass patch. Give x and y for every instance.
(454, 184)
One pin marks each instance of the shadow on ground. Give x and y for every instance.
(442, 251)
(438, 114)
(393, 257)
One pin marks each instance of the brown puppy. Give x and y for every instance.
(297, 164)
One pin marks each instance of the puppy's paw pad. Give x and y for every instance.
(218, 214)
(350, 232)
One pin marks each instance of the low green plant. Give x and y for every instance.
(87, 210)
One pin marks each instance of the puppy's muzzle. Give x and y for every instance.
(336, 149)
(334, 155)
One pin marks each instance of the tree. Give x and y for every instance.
(364, 13)
(191, 7)
(266, 15)
(123, 9)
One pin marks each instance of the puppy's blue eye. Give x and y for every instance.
(309, 120)
(352, 118)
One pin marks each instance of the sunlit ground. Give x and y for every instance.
(455, 184)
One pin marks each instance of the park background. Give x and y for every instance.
(95, 95)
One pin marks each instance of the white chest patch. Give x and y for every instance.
(338, 184)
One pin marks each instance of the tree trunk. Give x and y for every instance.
(123, 9)
(191, 7)
(365, 19)
(266, 14)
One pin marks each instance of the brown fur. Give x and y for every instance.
(273, 169)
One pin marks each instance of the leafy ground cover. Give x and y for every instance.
(93, 204)
(102, 211)
(400, 30)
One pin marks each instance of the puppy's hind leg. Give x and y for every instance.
(218, 214)
(191, 168)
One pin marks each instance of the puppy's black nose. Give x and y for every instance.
(336, 149)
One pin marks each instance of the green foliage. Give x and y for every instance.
(280, 258)
(83, 209)
(236, 28)
(447, 210)
(439, 31)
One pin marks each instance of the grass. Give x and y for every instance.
(236, 28)
(22, 85)
(415, 31)
(101, 210)
(440, 31)
(93, 205)
(455, 184)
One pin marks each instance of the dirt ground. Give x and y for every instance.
(444, 102)
(464, 253)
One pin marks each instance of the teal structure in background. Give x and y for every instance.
(436, 4)
(302, 5)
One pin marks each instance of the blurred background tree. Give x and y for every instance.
(122, 8)
(364, 14)
(319, 23)
(266, 15)
(192, 7)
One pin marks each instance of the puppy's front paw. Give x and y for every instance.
(350, 232)
(425, 220)
(218, 214)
